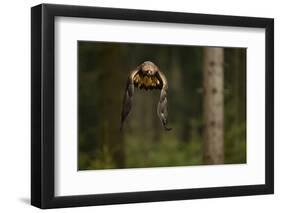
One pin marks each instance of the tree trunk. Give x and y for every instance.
(213, 106)
(112, 140)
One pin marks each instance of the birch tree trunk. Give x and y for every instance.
(213, 106)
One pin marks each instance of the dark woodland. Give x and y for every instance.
(206, 107)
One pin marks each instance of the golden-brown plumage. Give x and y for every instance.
(143, 81)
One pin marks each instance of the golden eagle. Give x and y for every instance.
(146, 76)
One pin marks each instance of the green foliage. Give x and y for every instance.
(235, 144)
(166, 152)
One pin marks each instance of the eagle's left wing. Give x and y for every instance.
(162, 111)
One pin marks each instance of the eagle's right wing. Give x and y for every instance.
(128, 96)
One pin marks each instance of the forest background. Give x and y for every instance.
(103, 70)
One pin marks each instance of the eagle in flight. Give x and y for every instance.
(146, 76)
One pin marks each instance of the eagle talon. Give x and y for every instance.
(167, 128)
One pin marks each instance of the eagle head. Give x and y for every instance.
(148, 68)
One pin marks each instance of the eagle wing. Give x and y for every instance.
(128, 96)
(162, 110)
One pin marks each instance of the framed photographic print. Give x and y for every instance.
(140, 106)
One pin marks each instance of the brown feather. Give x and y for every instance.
(147, 82)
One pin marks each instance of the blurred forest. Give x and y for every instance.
(103, 69)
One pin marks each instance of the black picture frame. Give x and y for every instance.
(43, 102)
